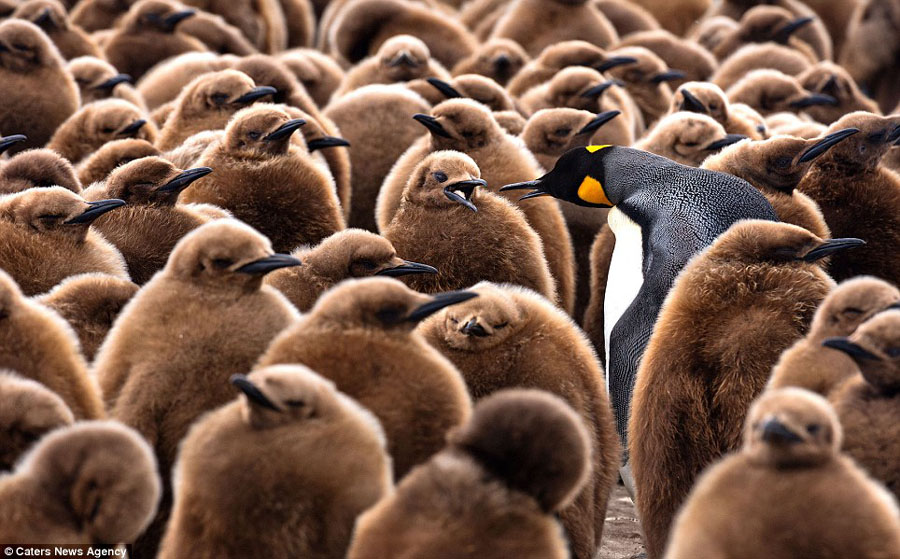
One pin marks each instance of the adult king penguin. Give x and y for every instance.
(662, 214)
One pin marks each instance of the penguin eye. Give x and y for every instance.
(501, 325)
(108, 130)
(51, 217)
(439, 176)
(222, 263)
(852, 312)
(254, 135)
(367, 264)
(563, 131)
(892, 352)
(390, 315)
(691, 144)
(20, 46)
(453, 320)
(219, 98)
(295, 403)
(783, 162)
(713, 106)
(468, 134)
(812, 428)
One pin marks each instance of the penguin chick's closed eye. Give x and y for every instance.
(799, 478)
(523, 455)
(319, 460)
(37, 168)
(831, 79)
(94, 482)
(98, 123)
(687, 138)
(97, 79)
(51, 17)
(767, 285)
(770, 91)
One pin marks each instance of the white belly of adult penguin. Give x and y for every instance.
(663, 213)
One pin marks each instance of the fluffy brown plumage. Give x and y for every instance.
(498, 59)
(319, 74)
(708, 98)
(755, 56)
(37, 168)
(771, 91)
(686, 137)
(98, 165)
(51, 17)
(536, 24)
(97, 123)
(97, 79)
(692, 59)
(831, 79)
(871, 49)
(30, 410)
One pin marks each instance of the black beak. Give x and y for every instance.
(814, 99)
(825, 144)
(894, 136)
(726, 141)
(44, 18)
(783, 34)
(536, 186)
(776, 432)
(692, 104)
(406, 269)
(614, 61)
(254, 394)
(830, 247)
(472, 328)
(438, 302)
(269, 264)
(95, 210)
(467, 187)
(668, 76)
(132, 129)
(114, 81)
(403, 60)
(432, 125)
(830, 86)
(184, 179)
(9, 141)
(597, 90)
(326, 142)
(254, 94)
(285, 130)
(502, 63)
(172, 20)
(853, 350)
(445, 88)
(598, 121)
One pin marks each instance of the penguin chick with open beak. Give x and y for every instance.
(383, 371)
(525, 22)
(687, 138)
(647, 80)
(709, 99)
(830, 79)
(37, 168)
(96, 167)
(97, 123)
(770, 91)
(268, 182)
(30, 410)
(51, 17)
(97, 79)
(351, 253)
(498, 59)
(752, 293)
(693, 60)
(763, 24)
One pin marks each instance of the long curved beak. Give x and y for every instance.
(777, 432)
(269, 264)
(614, 61)
(285, 130)
(406, 269)
(133, 128)
(438, 302)
(114, 81)
(597, 90)
(825, 144)
(832, 246)
(184, 179)
(326, 142)
(668, 76)
(445, 88)
(254, 94)
(432, 125)
(95, 210)
(174, 19)
(598, 121)
(726, 141)
(253, 394)
(814, 99)
(467, 188)
(691, 103)
(783, 34)
(11, 140)
(855, 351)
(536, 186)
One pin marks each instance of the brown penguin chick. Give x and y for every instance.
(362, 27)
(549, 133)
(646, 80)
(787, 481)
(94, 482)
(30, 68)
(29, 411)
(472, 86)
(764, 24)
(871, 49)
(361, 335)
(37, 168)
(375, 120)
(748, 113)
(99, 164)
(443, 190)
(859, 196)
(208, 103)
(263, 22)
(97, 79)
(692, 392)
(399, 59)
(627, 17)
(164, 82)
(708, 98)
(147, 229)
(41, 346)
(559, 56)
(687, 138)
(509, 337)
(677, 18)
(216, 34)
(189, 152)
(710, 31)
(510, 121)
(775, 167)
(601, 251)
(351, 253)
(318, 135)
(318, 461)
(697, 63)
(869, 403)
(148, 34)
(47, 237)
(835, 15)
(790, 124)
(526, 22)
(98, 15)
(90, 304)
(97, 123)
(300, 19)
(269, 183)
(770, 91)
(831, 79)
(810, 365)
(205, 316)
(498, 59)
(763, 56)
(319, 74)
(467, 126)
(522, 457)
(51, 17)
(481, 16)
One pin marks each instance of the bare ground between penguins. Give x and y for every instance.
(621, 531)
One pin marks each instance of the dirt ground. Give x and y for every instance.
(621, 532)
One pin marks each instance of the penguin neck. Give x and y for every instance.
(630, 173)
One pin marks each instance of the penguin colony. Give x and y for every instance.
(380, 279)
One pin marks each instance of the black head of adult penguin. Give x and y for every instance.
(771, 91)
(38, 168)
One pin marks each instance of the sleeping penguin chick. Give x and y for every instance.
(29, 410)
(646, 80)
(775, 167)
(498, 59)
(820, 368)
(771, 56)
(687, 138)
(97, 123)
(351, 253)
(549, 133)
(778, 495)
(830, 79)
(146, 230)
(46, 236)
(510, 337)
(770, 91)
(492, 492)
(764, 24)
(472, 86)
(399, 59)
(98, 165)
(318, 461)
(442, 204)
(90, 304)
(51, 17)
(148, 34)
(694, 61)
(204, 317)
(319, 74)
(216, 34)
(208, 103)
(868, 404)
(38, 94)
(37, 168)
(536, 24)
(97, 79)
(269, 183)
(165, 81)
(708, 98)
(94, 482)
(692, 392)
(39, 345)
(361, 335)
(859, 197)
